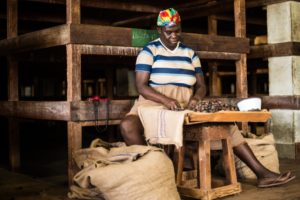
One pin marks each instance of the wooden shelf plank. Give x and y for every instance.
(229, 116)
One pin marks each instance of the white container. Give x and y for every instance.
(249, 104)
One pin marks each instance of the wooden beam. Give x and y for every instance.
(260, 3)
(73, 73)
(45, 38)
(275, 50)
(53, 110)
(73, 11)
(14, 144)
(88, 111)
(13, 79)
(107, 4)
(74, 143)
(200, 42)
(281, 102)
(108, 50)
(12, 18)
(241, 65)
(97, 35)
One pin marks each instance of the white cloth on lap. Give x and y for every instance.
(162, 126)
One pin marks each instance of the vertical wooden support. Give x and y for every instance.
(13, 89)
(73, 11)
(214, 89)
(74, 143)
(241, 65)
(73, 86)
(13, 80)
(73, 94)
(14, 144)
(12, 18)
(73, 73)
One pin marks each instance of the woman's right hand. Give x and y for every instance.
(172, 104)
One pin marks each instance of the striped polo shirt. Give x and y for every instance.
(168, 67)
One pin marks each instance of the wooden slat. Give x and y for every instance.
(45, 38)
(14, 144)
(73, 11)
(73, 73)
(281, 102)
(100, 35)
(230, 116)
(219, 47)
(107, 4)
(74, 143)
(54, 110)
(275, 50)
(108, 50)
(13, 79)
(12, 18)
(200, 42)
(85, 110)
(241, 65)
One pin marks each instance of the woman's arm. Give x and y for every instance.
(142, 79)
(200, 91)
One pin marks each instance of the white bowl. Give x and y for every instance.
(249, 104)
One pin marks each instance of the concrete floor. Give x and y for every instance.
(17, 186)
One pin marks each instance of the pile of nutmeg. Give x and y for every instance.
(211, 106)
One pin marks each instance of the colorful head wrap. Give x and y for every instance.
(169, 17)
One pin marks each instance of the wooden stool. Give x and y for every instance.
(203, 134)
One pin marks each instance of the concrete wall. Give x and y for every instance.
(283, 21)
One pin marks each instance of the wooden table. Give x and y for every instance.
(203, 128)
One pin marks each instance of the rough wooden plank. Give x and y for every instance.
(230, 116)
(74, 143)
(13, 79)
(55, 36)
(53, 110)
(73, 73)
(12, 18)
(14, 144)
(241, 65)
(73, 11)
(108, 50)
(107, 4)
(241, 77)
(275, 50)
(200, 42)
(281, 102)
(85, 110)
(100, 35)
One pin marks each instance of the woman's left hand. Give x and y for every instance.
(192, 103)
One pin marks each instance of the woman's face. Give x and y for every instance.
(170, 36)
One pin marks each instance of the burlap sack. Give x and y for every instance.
(127, 172)
(265, 151)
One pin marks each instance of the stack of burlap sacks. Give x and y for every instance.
(115, 171)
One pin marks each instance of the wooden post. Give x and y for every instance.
(12, 18)
(214, 89)
(73, 94)
(241, 65)
(73, 12)
(13, 89)
(74, 143)
(73, 73)
(14, 144)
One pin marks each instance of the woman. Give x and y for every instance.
(169, 73)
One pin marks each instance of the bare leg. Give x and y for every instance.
(245, 154)
(265, 177)
(132, 130)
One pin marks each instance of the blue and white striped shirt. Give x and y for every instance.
(169, 67)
